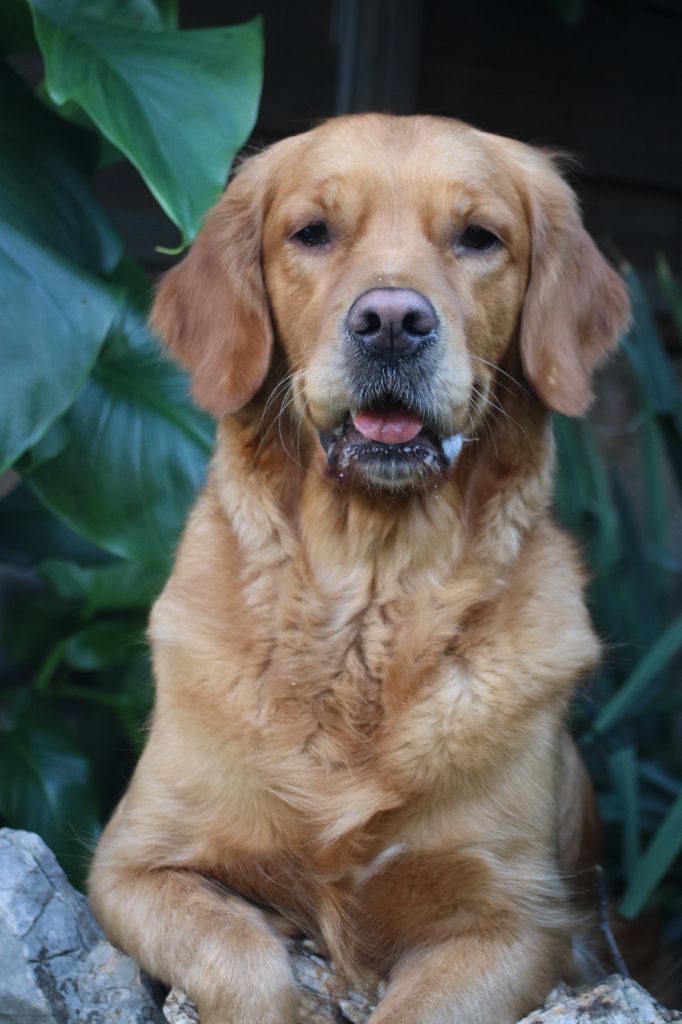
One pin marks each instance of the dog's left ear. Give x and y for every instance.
(576, 306)
(211, 309)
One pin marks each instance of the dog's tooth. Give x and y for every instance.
(452, 446)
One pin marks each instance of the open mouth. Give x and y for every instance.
(390, 447)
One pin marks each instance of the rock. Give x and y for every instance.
(323, 996)
(615, 1000)
(179, 1008)
(56, 966)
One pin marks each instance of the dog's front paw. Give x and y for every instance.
(256, 988)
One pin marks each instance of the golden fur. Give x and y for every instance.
(361, 691)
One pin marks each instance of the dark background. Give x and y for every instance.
(598, 78)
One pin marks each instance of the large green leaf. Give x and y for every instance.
(135, 456)
(119, 587)
(179, 104)
(54, 315)
(104, 644)
(46, 787)
(54, 319)
(168, 9)
(45, 181)
(125, 691)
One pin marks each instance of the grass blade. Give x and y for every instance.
(624, 772)
(660, 854)
(658, 656)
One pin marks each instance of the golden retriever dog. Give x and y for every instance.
(366, 650)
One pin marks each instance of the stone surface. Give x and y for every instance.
(56, 967)
(323, 996)
(179, 1008)
(615, 1000)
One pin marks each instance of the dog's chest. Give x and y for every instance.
(326, 675)
(335, 701)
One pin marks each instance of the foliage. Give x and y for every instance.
(628, 719)
(109, 449)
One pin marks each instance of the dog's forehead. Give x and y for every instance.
(384, 156)
(371, 138)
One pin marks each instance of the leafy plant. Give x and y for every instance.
(628, 720)
(99, 428)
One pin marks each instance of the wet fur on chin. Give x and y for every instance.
(359, 727)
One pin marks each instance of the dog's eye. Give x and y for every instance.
(313, 234)
(478, 239)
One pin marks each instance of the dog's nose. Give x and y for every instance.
(392, 322)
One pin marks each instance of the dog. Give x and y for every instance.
(366, 650)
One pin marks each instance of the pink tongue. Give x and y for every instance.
(388, 427)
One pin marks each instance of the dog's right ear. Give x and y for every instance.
(212, 310)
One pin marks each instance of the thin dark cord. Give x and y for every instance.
(605, 924)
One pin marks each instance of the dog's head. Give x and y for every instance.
(409, 270)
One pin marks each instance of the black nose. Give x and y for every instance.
(392, 322)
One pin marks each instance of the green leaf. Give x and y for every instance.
(36, 623)
(672, 291)
(45, 181)
(29, 533)
(178, 104)
(104, 644)
(46, 787)
(42, 680)
(667, 645)
(71, 112)
(623, 768)
(586, 505)
(54, 320)
(656, 775)
(656, 503)
(135, 690)
(585, 500)
(168, 9)
(54, 316)
(136, 455)
(138, 285)
(640, 599)
(119, 587)
(646, 352)
(658, 857)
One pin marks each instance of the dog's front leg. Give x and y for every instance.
(216, 946)
(475, 978)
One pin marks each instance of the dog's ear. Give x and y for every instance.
(212, 310)
(576, 306)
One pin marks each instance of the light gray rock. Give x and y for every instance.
(615, 1000)
(56, 966)
(323, 996)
